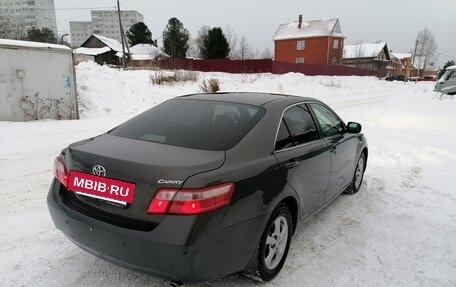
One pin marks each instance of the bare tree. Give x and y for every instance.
(193, 49)
(232, 39)
(426, 49)
(198, 42)
(244, 49)
(266, 54)
(358, 51)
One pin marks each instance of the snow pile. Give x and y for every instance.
(108, 92)
(399, 230)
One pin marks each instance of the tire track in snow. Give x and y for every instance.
(356, 103)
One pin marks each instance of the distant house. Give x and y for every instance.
(368, 56)
(145, 55)
(102, 49)
(85, 54)
(309, 42)
(405, 60)
(421, 67)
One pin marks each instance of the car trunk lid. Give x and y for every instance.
(148, 165)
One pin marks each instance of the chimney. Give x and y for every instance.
(300, 22)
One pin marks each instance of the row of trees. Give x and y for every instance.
(210, 43)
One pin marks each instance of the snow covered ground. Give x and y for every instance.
(399, 230)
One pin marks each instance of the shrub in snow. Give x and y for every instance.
(442, 96)
(160, 78)
(184, 76)
(331, 84)
(210, 86)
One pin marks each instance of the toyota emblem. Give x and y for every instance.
(99, 170)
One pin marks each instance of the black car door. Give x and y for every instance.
(342, 147)
(305, 157)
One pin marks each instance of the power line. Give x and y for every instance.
(71, 5)
(71, 9)
(80, 16)
(448, 51)
(451, 56)
(440, 52)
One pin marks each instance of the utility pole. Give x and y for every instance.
(414, 55)
(122, 37)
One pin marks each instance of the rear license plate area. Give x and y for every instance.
(115, 192)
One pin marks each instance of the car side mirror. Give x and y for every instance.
(353, 128)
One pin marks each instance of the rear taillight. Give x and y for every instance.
(191, 201)
(60, 171)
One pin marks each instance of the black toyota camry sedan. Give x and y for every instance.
(206, 185)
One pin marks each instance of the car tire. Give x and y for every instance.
(358, 175)
(274, 243)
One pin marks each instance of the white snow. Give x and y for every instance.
(91, 51)
(111, 43)
(30, 44)
(399, 230)
(419, 62)
(145, 49)
(144, 52)
(363, 50)
(315, 28)
(450, 68)
(401, 56)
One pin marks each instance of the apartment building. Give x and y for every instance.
(20, 15)
(104, 23)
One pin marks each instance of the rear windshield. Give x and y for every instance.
(198, 124)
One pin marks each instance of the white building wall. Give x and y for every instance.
(21, 15)
(80, 31)
(23, 81)
(104, 23)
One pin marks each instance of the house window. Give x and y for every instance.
(300, 45)
(336, 44)
(299, 60)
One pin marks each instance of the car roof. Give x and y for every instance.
(249, 98)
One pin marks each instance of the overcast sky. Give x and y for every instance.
(395, 21)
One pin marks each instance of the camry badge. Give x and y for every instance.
(99, 170)
(170, 181)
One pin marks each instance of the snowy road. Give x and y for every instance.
(399, 230)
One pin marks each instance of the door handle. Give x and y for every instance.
(333, 149)
(292, 164)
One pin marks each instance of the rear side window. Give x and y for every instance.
(296, 127)
(329, 123)
(199, 124)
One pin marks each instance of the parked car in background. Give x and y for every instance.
(447, 83)
(206, 185)
(428, 78)
(396, 78)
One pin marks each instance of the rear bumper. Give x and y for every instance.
(187, 248)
